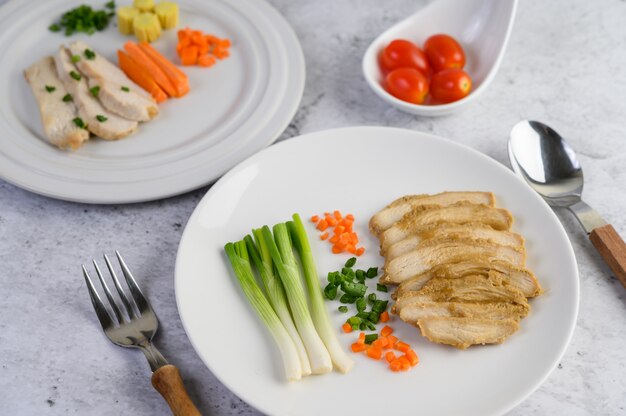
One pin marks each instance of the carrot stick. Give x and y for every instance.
(175, 75)
(136, 73)
(149, 67)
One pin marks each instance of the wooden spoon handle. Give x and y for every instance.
(612, 249)
(167, 381)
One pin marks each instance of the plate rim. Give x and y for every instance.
(524, 394)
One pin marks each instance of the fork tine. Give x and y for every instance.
(116, 310)
(138, 296)
(120, 291)
(103, 314)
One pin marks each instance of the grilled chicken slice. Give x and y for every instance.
(402, 206)
(413, 312)
(56, 115)
(134, 104)
(522, 279)
(89, 108)
(435, 252)
(464, 332)
(470, 289)
(450, 230)
(460, 213)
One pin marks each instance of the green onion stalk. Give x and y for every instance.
(238, 256)
(320, 314)
(281, 251)
(262, 260)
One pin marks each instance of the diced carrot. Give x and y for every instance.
(339, 229)
(386, 331)
(315, 219)
(334, 239)
(402, 346)
(324, 236)
(136, 73)
(322, 225)
(395, 365)
(184, 34)
(336, 250)
(337, 215)
(392, 340)
(224, 43)
(350, 217)
(358, 347)
(212, 40)
(173, 73)
(331, 221)
(359, 251)
(381, 343)
(384, 317)
(220, 53)
(206, 61)
(404, 362)
(341, 245)
(351, 249)
(198, 38)
(390, 356)
(412, 357)
(189, 55)
(150, 67)
(375, 353)
(346, 327)
(361, 338)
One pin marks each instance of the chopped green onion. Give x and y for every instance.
(362, 326)
(371, 298)
(101, 118)
(330, 291)
(354, 320)
(79, 122)
(345, 298)
(54, 28)
(125, 89)
(342, 309)
(369, 325)
(360, 276)
(110, 5)
(354, 289)
(361, 304)
(50, 88)
(381, 288)
(380, 306)
(83, 19)
(90, 55)
(75, 58)
(67, 98)
(369, 338)
(75, 75)
(373, 317)
(351, 262)
(95, 91)
(372, 272)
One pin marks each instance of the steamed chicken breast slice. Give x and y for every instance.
(464, 332)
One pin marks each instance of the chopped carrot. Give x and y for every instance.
(346, 327)
(359, 251)
(412, 357)
(384, 317)
(404, 362)
(361, 339)
(386, 331)
(395, 365)
(358, 347)
(331, 221)
(351, 249)
(337, 250)
(322, 225)
(341, 245)
(390, 356)
(324, 236)
(175, 75)
(150, 67)
(224, 43)
(375, 353)
(339, 229)
(315, 219)
(206, 61)
(337, 215)
(402, 346)
(392, 340)
(136, 73)
(334, 239)
(189, 55)
(381, 343)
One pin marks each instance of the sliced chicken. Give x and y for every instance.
(522, 279)
(56, 115)
(432, 253)
(98, 120)
(402, 206)
(117, 92)
(450, 230)
(459, 213)
(464, 332)
(413, 312)
(465, 289)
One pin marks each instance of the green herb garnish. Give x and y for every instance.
(67, 98)
(83, 19)
(95, 91)
(351, 262)
(89, 54)
(101, 118)
(381, 288)
(50, 88)
(54, 28)
(75, 58)
(75, 75)
(79, 122)
(125, 89)
(342, 309)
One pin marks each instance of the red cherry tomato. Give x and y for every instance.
(401, 53)
(450, 85)
(444, 52)
(407, 84)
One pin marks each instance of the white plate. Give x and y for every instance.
(360, 170)
(234, 109)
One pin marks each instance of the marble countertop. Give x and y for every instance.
(564, 65)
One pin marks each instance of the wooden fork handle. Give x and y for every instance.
(612, 249)
(167, 381)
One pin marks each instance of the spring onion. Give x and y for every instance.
(279, 246)
(275, 292)
(238, 257)
(320, 315)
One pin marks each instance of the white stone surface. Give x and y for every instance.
(564, 65)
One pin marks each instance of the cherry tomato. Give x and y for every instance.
(407, 84)
(444, 52)
(450, 85)
(401, 53)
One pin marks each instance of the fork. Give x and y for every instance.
(134, 326)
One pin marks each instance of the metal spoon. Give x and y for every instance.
(549, 165)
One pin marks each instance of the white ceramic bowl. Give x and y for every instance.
(481, 26)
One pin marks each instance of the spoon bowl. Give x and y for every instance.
(482, 27)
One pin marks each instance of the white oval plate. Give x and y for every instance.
(360, 170)
(234, 109)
